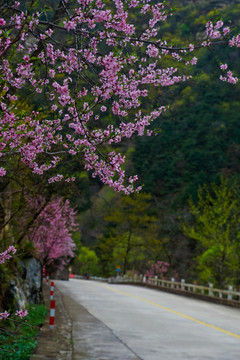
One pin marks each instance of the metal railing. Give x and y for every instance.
(175, 286)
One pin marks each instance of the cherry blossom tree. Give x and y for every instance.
(161, 269)
(91, 63)
(51, 231)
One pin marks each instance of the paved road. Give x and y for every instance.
(132, 323)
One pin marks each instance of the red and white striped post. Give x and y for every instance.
(52, 314)
(47, 279)
(44, 271)
(52, 290)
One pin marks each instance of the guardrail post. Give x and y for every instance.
(155, 282)
(144, 279)
(230, 288)
(182, 284)
(210, 293)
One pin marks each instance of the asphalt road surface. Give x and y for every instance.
(125, 322)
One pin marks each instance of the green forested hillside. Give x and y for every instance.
(198, 143)
(199, 140)
(199, 136)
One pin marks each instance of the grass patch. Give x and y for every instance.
(19, 338)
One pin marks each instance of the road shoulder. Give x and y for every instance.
(57, 343)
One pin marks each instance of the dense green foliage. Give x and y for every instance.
(17, 340)
(215, 227)
(130, 235)
(200, 134)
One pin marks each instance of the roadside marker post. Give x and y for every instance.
(52, 314)
(47, 279)
(52, 290)
(118, 270)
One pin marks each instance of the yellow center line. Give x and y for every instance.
(172, 311)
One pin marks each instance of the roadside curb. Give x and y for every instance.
(56, 343)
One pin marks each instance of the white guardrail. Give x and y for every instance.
(208, 291)
(229, 294)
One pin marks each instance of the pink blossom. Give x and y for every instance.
(152, 51)
(194, 61)
(54, 107)
(21, 313)
(2, 22)
(4, 315)
(70, 25)
(218, 24)
(2, 146)
(229, 78)
(212, 31)
(191, 47)
(2, 171)
(226, 30)
(49, 32)
(235, 41)
(223, 66)
(16, 4)
(56, 178)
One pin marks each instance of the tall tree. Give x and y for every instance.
(131, 233)
(216, 222)
(51, 230)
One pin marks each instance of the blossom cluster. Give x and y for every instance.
(217, 31)
(159, 268)
(21, 313)
(6, 254)
(93, 81)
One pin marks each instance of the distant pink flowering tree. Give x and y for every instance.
(51, 231)
(161, 269)
(92, 63)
